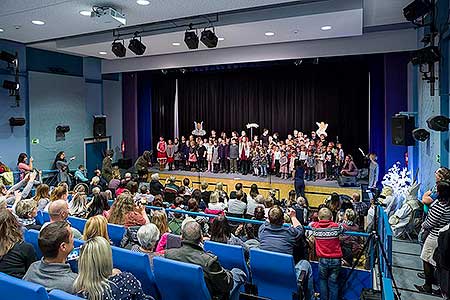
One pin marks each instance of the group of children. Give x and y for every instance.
(261, 156)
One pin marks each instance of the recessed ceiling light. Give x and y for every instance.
(143, 2)
(176, 44)
(1, 30)
(325, 28)
(103, 53)
(85, 13)
(38, 22)
(221, 38)
(269, 33)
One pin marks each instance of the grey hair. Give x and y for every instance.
(155, 176)
(148, 235)
(260, 199)
(192, 232)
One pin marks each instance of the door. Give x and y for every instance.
(94, 151)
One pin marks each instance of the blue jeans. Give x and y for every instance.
(328, 273)
(263, 170)
(304, 265)
(239, 279)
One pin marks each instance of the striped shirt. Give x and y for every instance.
(438, 217)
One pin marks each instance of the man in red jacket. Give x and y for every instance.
(328, 249)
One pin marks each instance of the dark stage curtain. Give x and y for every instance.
(163, 96)
(280, 98)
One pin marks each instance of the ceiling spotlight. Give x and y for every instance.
(102, 52)
(326, 28)
(176, 44)
(417, 9)
(2, 30)
(164, 71)
(11, 85)
(136, 45)
(438, 123)
(38, 22)
(143, 2)
(427, 55)
(85, 13)
(420, 134)
(118, 48)
(269, 33)
(191, 38)
(209, 38)
(298, 62)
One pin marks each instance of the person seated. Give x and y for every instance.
(221, 283)
(16, 254)
(348, 172)
(96, 226)
(214, 203)
(177, 219)
(80, 175)
(59, 211)
(27, 183)
(26, 211)
(42, 196)
(221, 232)
(103, 183)
(273, 236)
(361, 209)
(338, 204)
(237, 207)
(148, 236)
(98, 206)
(170, 190)
(95, 183)
(156, 187)
(58, 193)
(78, 206)
(144, 195)
(52, 271)
(98, 280)
(238, 187)
(351, 245)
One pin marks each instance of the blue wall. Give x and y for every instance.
(13, 141)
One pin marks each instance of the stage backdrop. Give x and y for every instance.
(281, 98)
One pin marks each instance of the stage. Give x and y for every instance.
(316, 191)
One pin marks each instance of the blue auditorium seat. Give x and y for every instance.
(14, 288)
(273, 274)
(46, 216)
(178, 280)
(39, 218)
(77, 223)
(139, 265)
(77, 243)
(230, 256)
(31, 236)
(61, 295)
(116, 233)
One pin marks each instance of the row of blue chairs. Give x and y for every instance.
(115, 232)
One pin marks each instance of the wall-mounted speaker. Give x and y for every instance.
(99, 127)
(401, 130)
(16, 121)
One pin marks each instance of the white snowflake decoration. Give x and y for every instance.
(399, 180)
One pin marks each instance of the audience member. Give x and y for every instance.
(42, 196)
(98, 280)
(96, 226)
(98, 206)
(26, 211)
(156, 187)
(221, 283)
(148, 236)
(59, 211)
(16, 256)
(361, 209)
(78, 206)
(52, 271)
(221, 233)
(237, 207)
(214, 203)
(80, 175)
(170, 190)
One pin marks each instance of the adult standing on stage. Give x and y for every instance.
(161, 154)
(62, 165)
(299, 178)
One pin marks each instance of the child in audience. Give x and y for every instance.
(328, 249)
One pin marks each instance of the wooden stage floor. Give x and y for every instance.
(316, 191)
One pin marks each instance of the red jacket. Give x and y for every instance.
(327, 233)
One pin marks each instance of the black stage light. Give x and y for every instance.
(191, 39)
(438, 123)
(11, 85)
(136, 45)
(417, 9)
(16, 121)
(118, 49)
(8, 57)
(420, 134)
(209, 38)
(427, 55)
(63, 128)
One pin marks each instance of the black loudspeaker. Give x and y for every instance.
(401, 130)
(99, 127)
(125, 163)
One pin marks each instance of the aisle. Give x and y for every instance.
(406, 265)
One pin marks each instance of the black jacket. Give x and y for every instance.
(218, 280)
(156, 187)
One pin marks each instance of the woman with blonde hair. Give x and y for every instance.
(16, 255)
(221, 191)
(97, 280)
(78, 205)
(159, 218)
(42, 196)
(214, 203)
(96, 226)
